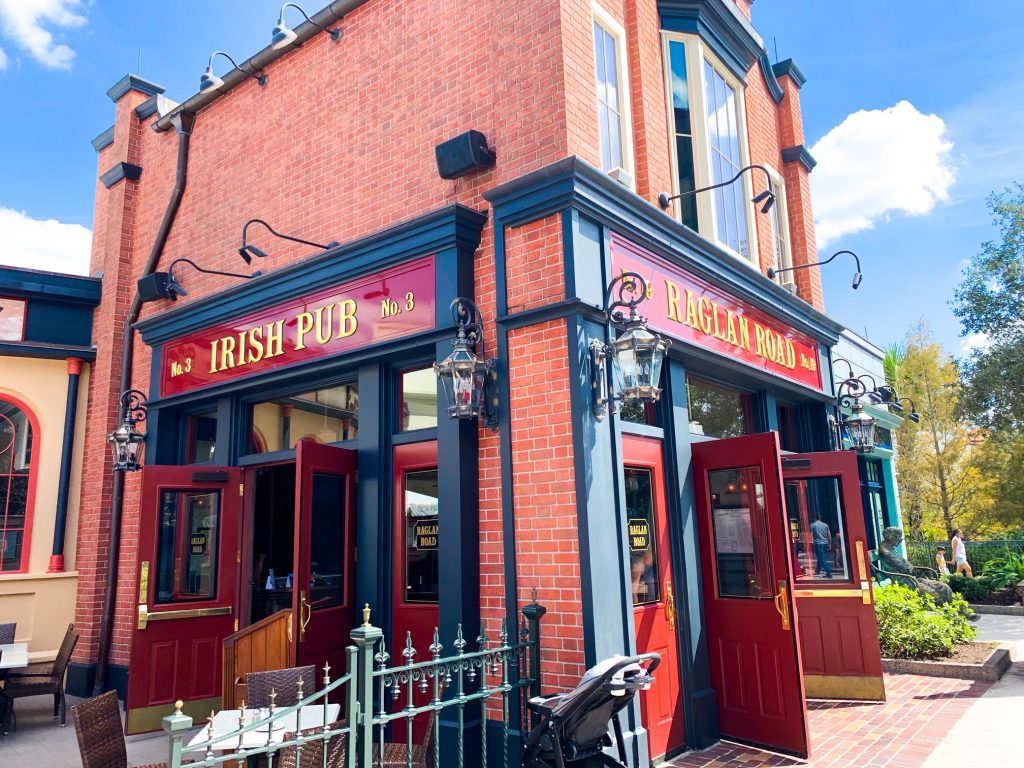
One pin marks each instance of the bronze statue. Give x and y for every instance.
(895, 565)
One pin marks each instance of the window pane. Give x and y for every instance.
(200, 437)
(12, 319)
(717, 412)
(606, 152)
(643, 550)
(419, 399)
(814, 506)
(680, 87)
(602, 75)
(326, 415)
(187, 546)
(421, 537)
(611, 64)
(687, 180)
(15, 463)
(327, 542)
(742, 559)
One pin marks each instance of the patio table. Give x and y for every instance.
(12, 656)
(226, 721)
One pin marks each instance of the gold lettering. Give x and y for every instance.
(275, 339)
(304, 324)
(780, 349)
(255, 345)
(730, 320)
(691, 312)
(241, 349)
(714, 316)
(745, 333)
(704, 309)
(323, 328)
(347, 320)
(759, 335)
(227, 352)
(769, 344)
(672, 291)
(790, 355)
(213, 355)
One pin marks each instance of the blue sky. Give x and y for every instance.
(953, 70)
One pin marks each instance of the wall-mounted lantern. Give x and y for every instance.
(636, 355)
(469, 381)
(127, 442)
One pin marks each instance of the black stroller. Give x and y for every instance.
(573, 729)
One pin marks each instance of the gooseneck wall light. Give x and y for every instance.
(283, 35)
(469, 381)
(211, 82)
(247, 251)
(765, 197)
(128, 442)
(164, 285)
(636, 355)
(857, 276)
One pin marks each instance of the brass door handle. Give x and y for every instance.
(304, 619)
(781, 601)
(670, 605)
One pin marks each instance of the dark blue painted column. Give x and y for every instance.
(700, 707)
(373, 502)
(766, 414)
(66, 455)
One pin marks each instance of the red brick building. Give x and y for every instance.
(267, 394)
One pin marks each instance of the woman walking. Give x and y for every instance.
(960, 554)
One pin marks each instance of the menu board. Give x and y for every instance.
(732, 531)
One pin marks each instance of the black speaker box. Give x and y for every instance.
(154, 286)
(466, 153)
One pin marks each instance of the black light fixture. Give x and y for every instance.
(859, 426)
(897, 405)
(766, 197)
(127, 442)
(636, 355)
(857, 276)
(164, 285)
(283, 35)
(247, 251)
(468, 380)
(211, 82)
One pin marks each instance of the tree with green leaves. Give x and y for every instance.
(990, 305)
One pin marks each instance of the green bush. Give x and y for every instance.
(977, 590)
(911, 626)
(1005, 571)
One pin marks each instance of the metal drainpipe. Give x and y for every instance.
(183, 122)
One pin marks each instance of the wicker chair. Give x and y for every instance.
(100, 736)
(43, 680)
(313, 751)
(285, 682)
(7, 633)
(396, 755)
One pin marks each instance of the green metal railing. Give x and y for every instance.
(381, 704)
(979, 553)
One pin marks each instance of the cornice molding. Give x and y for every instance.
(132, 82)
(119, 172)
(774, 89)
(789, 68)
(799, 154)
(722, 27)
(104, 140)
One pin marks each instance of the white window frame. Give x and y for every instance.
(618, 34)
(780, 212)
(696, 54)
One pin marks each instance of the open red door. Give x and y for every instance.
(838, 629)
(188, 555)
(748, 597)
(654, 602)
(323, 596)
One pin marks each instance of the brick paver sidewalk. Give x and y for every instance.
(900, 733)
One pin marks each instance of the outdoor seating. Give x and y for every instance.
(285, 682)
(7, 633)
(312, 755)
(396, 755)
(42, 680)
(100, 735)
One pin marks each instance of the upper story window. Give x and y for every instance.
(612, 97)
(12, 319)
(15, 476)
(710, 147)
(782, 256)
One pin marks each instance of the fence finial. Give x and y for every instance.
(366, 614)
(177, 707)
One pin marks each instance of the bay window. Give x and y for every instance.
(612, 97)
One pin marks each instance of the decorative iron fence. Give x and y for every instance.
(367, 718)
(979, 553)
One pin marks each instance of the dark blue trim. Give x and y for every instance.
(373, 524)
(148, 108)
(454, 226)
(66, 452)
(46, 351)
(18, 282)
(119, 172)
(547, 312)
(132, 82)
(104, 140)
(720, 25)
(574, 183)
(799, 153)
(789, 67)
(774, 89)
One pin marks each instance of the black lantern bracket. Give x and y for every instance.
(636, 355)
(128, 442)
(469, 379)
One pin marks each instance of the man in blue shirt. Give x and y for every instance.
(822, 540)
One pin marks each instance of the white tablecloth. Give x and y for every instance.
(13, 655)
(226, 721)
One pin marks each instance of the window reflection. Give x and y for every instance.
(200, 437)
(716, 411)
(419, 399)
(421, 537)
(187, 546)
(742, 558)
(12, 319)
(327, 415)
(817, 532)
(643, 552)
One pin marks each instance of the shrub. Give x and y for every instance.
(977, 590)
(1007, 571)
(910, 626)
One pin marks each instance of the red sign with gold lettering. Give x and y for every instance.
(368, 310)
(686, 307)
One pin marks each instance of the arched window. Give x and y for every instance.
(16, 438)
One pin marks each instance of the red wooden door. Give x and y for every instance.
(654, 603)
(414, 549)
(188, 578)
(748, 597)
(323, 596)
(838, 631)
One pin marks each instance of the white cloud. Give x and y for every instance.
(876, 162)
(44, 244)
(3, 60)
(27, 23)
(974, 341)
